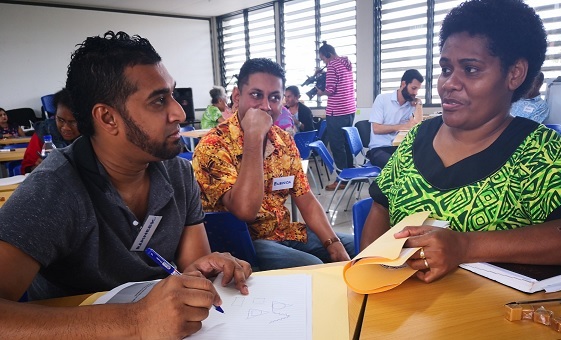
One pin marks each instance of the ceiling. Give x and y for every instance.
(198, 8)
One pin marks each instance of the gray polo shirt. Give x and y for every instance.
(68, 216)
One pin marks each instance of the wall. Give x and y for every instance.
(36, 43)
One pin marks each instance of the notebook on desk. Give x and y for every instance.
(527, 278)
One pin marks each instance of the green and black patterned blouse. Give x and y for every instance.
(513, 183)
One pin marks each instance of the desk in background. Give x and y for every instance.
(461, 305)
(8, 156)
(194, 134)
(399, 137)
(17, 140)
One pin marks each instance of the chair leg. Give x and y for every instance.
(349, 183)
(358, 187)
(315, 183)
(333, 196)
(317, 169)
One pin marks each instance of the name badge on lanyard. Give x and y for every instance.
(283, 183)
(146, 233)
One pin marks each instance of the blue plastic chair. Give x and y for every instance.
(187, 140)
(12, 167)
(556, 127)
(349, 175)
(322, 127)
(49, 108)
(302, 141)
(226, 233)
(355, 144)
(360, 212)
(364, 127)
(187, 155)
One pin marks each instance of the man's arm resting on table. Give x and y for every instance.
(314, 216)
(382, 129)
(175, 307)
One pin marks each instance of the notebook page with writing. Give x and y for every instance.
(277, 308)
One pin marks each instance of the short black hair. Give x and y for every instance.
(411, 74)
(260, 65)
(63, 97)
(294, 89)
(96, 73)
(513, 31)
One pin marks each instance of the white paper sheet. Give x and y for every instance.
(277, 308)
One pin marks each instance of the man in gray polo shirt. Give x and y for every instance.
(394, 111)
(81, 220)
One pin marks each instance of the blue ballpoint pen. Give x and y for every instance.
(168, 267)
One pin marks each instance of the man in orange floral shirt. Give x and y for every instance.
(248, 166)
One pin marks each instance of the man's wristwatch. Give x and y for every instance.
(331, 241)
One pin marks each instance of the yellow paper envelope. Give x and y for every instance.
(381, 266)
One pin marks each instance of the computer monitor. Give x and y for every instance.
(184, 96)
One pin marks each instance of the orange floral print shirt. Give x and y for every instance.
(217, 162)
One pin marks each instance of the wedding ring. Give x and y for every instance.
(426, 264)
(422, 253)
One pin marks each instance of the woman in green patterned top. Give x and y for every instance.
(495, 178)
(213, 113)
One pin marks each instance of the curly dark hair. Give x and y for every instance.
(96, 73)
(513, 31)
(260, 65)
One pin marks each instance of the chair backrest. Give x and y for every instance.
(353, 138)
(22, 117)
(322, 127)
(556, 127)
(187, 155)
(186, 140)
(226, 233)
(321, 150)
(303, 140)
(360, 212)
(13, 168)
(48, 103)
(364, 127)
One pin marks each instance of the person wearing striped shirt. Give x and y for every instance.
(341, 106)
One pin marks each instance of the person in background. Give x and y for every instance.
(492, 176)
(249, 166)
(8, 130)
(341, 106)
(213, 113)
(391, 112)
(301, 114)
(532, 106)
(80, 222)
(63, 128)
(285, 121)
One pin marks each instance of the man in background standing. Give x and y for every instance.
(341, 106)
(394, 111)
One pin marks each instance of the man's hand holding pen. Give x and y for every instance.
(175, 307)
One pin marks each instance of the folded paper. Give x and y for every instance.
(381, 266)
